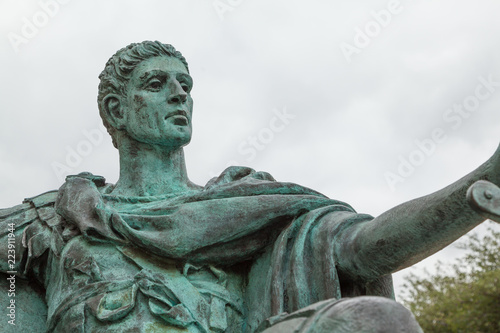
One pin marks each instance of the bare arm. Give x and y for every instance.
(413, 230)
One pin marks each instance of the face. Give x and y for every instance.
(158, 106)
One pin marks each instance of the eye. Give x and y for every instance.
(185, 87)
(185, 82)
(154, 85)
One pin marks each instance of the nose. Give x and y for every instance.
(177, 93)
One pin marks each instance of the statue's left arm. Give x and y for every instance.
(413, 230)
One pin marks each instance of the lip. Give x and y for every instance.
(179, 117)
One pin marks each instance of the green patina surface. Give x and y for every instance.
(244, 253)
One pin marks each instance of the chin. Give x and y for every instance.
(176, 142)
(173, 141)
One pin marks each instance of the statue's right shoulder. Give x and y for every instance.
(43, 205)
(22, 210)
(26, 230)
(40, 206)
(25, 235)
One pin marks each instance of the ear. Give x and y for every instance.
(112, 105)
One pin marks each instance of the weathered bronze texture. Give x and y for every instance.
(244, 253)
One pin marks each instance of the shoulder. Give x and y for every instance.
(37, 207)
(36, 224)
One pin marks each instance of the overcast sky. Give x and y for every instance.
(359, 100)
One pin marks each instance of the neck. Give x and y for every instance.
(150, 170)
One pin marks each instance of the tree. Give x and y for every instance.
(468, 299)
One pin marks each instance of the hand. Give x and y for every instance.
(484, 197)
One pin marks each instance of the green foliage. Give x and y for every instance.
(468, 299)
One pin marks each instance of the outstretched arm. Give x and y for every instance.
(413, 230)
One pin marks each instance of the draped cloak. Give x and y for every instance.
(270, 248)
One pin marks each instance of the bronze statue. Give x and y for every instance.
(244, 253)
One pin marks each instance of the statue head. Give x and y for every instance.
(115, 79)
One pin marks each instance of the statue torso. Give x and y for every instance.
(100, 286)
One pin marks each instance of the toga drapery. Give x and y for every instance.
(230, 257)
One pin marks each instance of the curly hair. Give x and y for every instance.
(118, 69)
